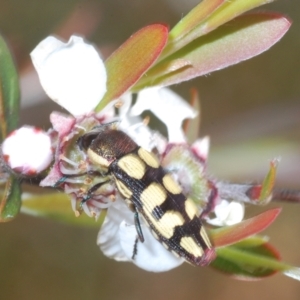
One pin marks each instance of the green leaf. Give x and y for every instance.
(268, 183)
(131, 60)
(249, 262)
(9, 91)
(238, 40)
(10, 201)
(56, 206)
(194, 18)
(232, 234)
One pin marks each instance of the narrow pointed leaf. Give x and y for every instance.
(249, 263)
(9, 91)
(56, 206)
(232, 234)
(10, 201)
(238, 40)
(218, 13)
(128, 63)
(261, 194)
(164, 68)
(268, 184)
(197, 15)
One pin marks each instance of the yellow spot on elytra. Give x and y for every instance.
(123, 189)
(191, 208)
(191, 247)
(152, 196)
(171, 185)
(205, 237)
(167, 223)
(133, 166)
(149, 158)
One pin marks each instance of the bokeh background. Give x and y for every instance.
(251, 112)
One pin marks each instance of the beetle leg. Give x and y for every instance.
(134, 252)
(138, 226)
(90, 192)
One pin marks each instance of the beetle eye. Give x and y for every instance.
(84, 142)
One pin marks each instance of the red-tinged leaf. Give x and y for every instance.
(232, 234)
(217, 13)
(238, 40)
(164, 68)
(130, 61)
(249, 263)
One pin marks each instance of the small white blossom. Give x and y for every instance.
(27, 150)
(72, 74)
(228, 213)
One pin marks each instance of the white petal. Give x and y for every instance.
(117, 238)
(108, 238)
(27, 150)
(228, 213)
(72, 74)
(134, 125)
(293, 273)
(151, 255)
(170, 108)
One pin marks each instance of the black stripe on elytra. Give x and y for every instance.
(188, 229)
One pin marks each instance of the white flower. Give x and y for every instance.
(27, 150)
(72, 74)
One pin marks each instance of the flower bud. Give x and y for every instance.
(27, 150)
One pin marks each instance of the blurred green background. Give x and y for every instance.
(251, 112)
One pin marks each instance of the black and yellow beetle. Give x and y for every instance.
(172, 217)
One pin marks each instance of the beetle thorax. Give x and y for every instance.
(110, 145)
